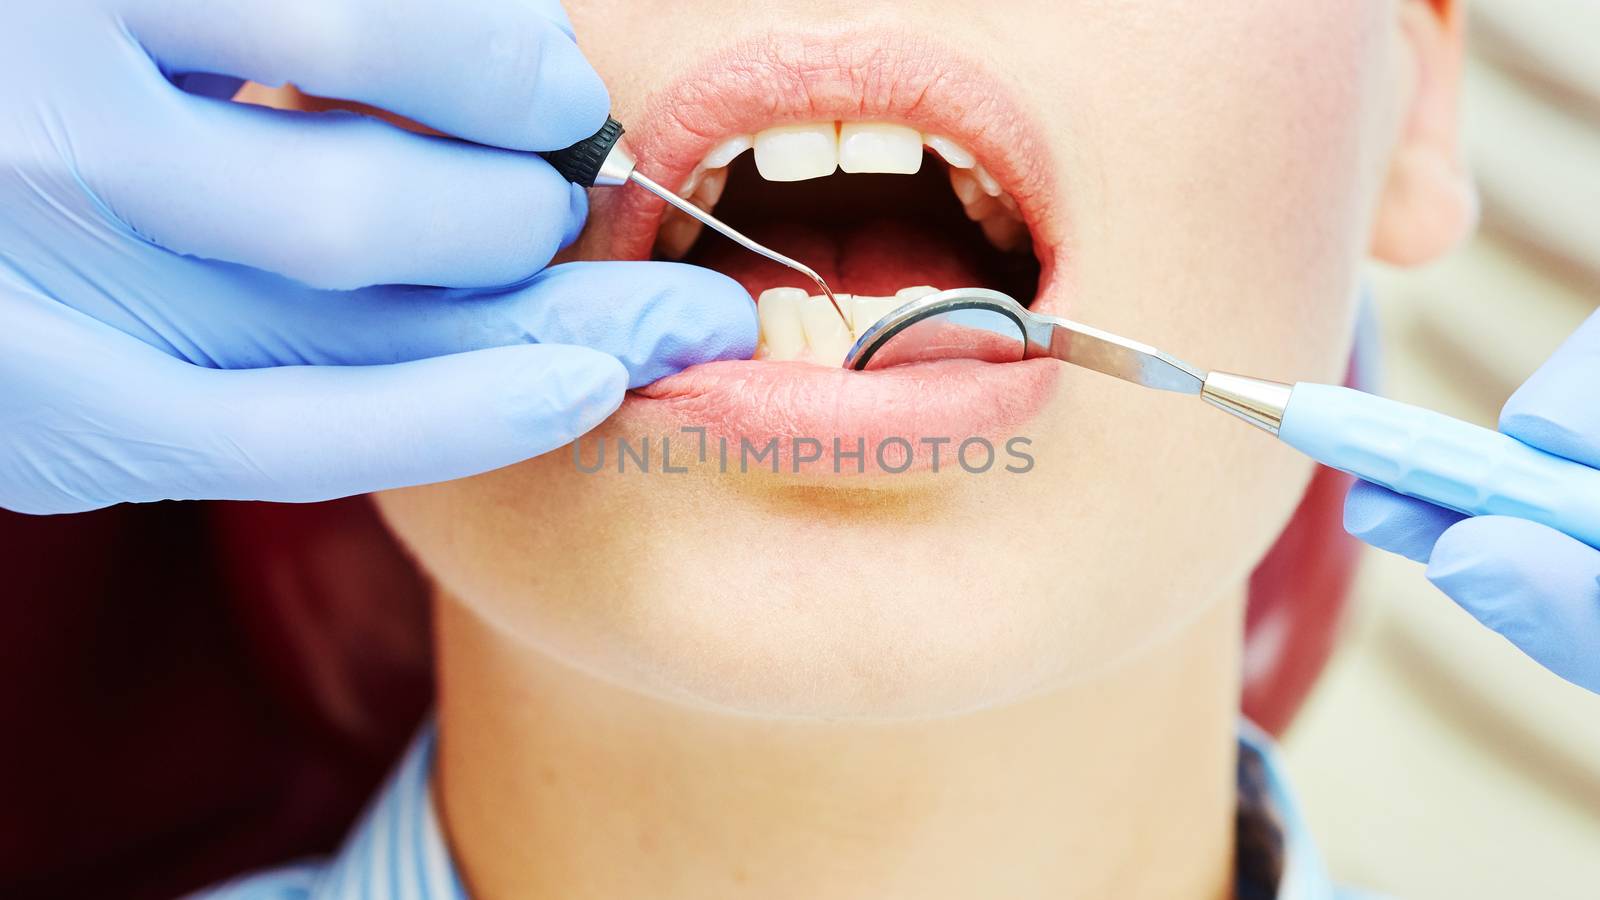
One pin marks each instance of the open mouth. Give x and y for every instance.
(883, 211)
(891, 166)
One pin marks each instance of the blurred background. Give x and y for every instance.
(1433, 758)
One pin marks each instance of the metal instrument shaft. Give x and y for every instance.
(603, 160)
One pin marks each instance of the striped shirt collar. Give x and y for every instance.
(397, 849)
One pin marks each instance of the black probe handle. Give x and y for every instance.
(580, 163)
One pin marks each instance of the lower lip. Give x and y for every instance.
(922, 405)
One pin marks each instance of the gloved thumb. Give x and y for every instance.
(307, 433)
(313, 433)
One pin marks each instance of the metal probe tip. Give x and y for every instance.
(727, 231)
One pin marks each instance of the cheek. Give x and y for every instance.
(1220, 171)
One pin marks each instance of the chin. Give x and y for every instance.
(814, 600)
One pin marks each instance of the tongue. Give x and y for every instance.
(872, 258)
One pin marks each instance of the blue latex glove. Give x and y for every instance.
(197, 297)
(1534, 585)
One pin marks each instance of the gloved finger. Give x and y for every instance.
(491, 71)
(655, 317)
(1394, 522)
(314, 433)
(1534, 585)
(336, 200)
(1556, 409)
(153, 428)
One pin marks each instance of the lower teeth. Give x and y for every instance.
(795, 326)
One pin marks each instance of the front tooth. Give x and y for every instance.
(868, 310)
(953, 153)
(693, 183)
(966, 186)
(990, 186)
(778, 312)
(879, 147)
(907, 294)
(710, 188)
(847, 305)
(727, 151)
(830, 340)
(797, 152)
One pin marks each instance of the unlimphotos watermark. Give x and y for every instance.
(695, 446)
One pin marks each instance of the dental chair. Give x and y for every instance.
(189, 691)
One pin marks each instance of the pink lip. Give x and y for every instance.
(880, 76)
(948, 400)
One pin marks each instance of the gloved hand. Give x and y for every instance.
(198, 298)
(1534, 585)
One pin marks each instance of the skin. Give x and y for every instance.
(711, 685)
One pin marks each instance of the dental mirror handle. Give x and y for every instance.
(1419, 452)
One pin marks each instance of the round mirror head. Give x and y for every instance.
(964, 323)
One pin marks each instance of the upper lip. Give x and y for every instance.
(874, 75)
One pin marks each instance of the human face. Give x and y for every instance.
(1203, 177)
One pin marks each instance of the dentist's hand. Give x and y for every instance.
(198, 298)
(1536, 586)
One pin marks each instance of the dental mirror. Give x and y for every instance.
(965, 323)
(977, 323)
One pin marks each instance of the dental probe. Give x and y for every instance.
(1410, 450)
(603, 160)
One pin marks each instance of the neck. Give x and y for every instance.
(554, 784)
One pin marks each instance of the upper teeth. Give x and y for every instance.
(800, 327)
(818, 149)
(797, 152)
(878, 147)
